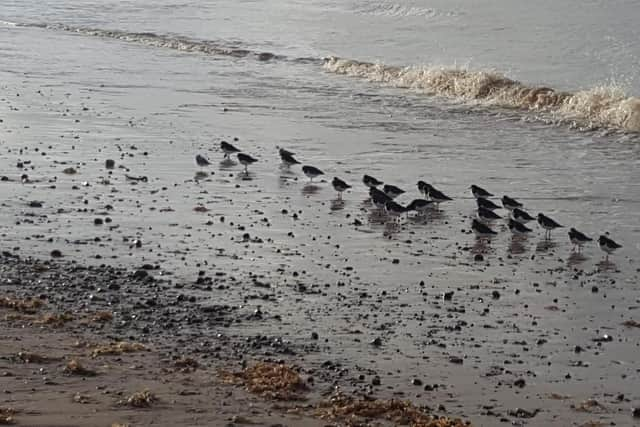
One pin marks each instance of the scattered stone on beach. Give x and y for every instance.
(56, 253)
(110, 164)
(117, 348)
(140, 399)
(76, 368)
(7, 416)
(70, 171)
(26, 306)
(631, 323)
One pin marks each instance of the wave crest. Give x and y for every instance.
(607, 107)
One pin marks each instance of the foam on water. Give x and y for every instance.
(606, 106)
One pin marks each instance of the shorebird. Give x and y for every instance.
(548, 224)
(370, 181)
(481, 230)
(437, 197)
(419, 205)
(340, 186)
(424, 188)
(578, 239)
(487, 214)
(311, 172)
(202, 161)
(608, 246)
(521, 216)
(479, 192)
(228, 149)
(246, 160)
(287, 158)
(394, 209)
(378, 197)
(510, 204)
(487, 204)
(518, 228)
(392, 191)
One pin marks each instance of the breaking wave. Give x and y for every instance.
(385, 8)
(600, 107)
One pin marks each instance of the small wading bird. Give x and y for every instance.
(311, 172)
(287, 158)
(521, 216)
(437, 197)
(487, 204)
(202, 161)
(392, 191)
(548, 224)
(608, 246)
(370, 181)
(518, 229)
(578, 239)
(340, 186)
(479, 192)
(420, 206)
(378, 197)
(481, 230)
(510, 204)
(487, 214)
(246, 160)
(228, 149)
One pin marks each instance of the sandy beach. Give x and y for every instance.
(112, 235)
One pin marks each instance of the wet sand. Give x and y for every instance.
(289, 272)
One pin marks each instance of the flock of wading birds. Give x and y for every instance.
(384, 200)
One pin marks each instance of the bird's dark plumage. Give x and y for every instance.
(510, 203)
(202, 161)
(487, 214)
(419, 205)
(392, 191)
(482, 230)
(479, 192)
(521, 216)
(518, 228)
(228, 148)
(578, 239)
(487, 204)
(311, 171)
(370, 181)
(378, 197)
(339, 185)
(287, 157)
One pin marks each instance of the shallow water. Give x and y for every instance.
(87, 93)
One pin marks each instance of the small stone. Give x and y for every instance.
(520, 382)
(98, 221)
(447, 296)
(110, 164)
(375, 380)
(56, 254)
(594, 289)
(635, 412)
(455, 359)
(416, 381)
(495, 295)
(376, 342)
(314, 335)
(70, 171)
(35, 204)
(478, 258)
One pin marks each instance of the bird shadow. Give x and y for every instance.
(606, 265)
(245, 176)
(576, 258)
(336, 204)
(310, 189)
(227, 163)
(516, 246)
(481, 245)
(545, 245)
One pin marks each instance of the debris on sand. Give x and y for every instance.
(55, 320)
(140, 399)
(590, 406)
(119, 425)
(81, 398)
(6, 416)
(118, 348)
(27, 305)
(102, 316)
(75, 368)
(186, 364)
(271, 380)
(351, 411)
(631, 323)
(26, 357)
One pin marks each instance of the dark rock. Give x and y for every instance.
(110, 164)
(56, 253)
